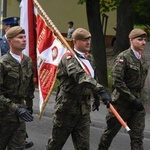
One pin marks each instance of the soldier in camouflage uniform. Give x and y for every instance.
(4, 48)
(72, 108)
(16, 92)
(129, 73)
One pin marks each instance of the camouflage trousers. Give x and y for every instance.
(64, 125)
(12, 135)
(136, 122)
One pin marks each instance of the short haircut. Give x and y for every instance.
(71, 23)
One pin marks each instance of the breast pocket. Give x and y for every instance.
(11, 78)
(134, 67)
(27, 74)
(133, 71)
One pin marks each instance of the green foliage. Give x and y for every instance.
(141, 12)
(105, 5)
(108, 5)
(140, 5)
(81, 1)
(141, 9)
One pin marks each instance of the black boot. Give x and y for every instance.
(28, 144)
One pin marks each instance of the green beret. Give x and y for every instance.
(13, 31)
(137, 33)
(81, 33)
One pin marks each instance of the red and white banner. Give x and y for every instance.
(49, 51)
(27, 22)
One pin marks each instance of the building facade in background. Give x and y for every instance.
(60, 12)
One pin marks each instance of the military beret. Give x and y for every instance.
(14, 31)
(137, 33)
(11, 21)
(81, 33)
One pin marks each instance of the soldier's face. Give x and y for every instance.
(83, 45)
(138, 44)
(18, 43)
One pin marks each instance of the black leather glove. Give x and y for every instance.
(138, 105)
(24, 114)
(95, 105)
(30, 109)
(105, 97)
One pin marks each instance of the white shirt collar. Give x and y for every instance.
(81, 53)
(17, 57)
(136, 54)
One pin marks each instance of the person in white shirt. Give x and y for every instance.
(70, 29)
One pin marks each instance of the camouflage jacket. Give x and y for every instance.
(75, 85)
(129, 74)
(16, 85)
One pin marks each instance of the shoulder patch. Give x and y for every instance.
(68, 55)
(121, 61)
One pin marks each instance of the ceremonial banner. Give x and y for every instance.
(27, 22)
(49, 53)
(49, 49)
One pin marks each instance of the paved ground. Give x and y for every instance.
(97, 117)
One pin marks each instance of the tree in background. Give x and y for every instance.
(97, 41)
(142, 18)
(130, 13)
(127, 11)
(95, 9)
(124, 25)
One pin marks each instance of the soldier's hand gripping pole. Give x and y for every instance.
(119, 118)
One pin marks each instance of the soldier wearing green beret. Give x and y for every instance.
(129, 73)
(73, 106)
(16, 92)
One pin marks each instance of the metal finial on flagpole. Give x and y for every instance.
(48, 20)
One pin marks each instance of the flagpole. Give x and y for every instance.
(56, 31)
(61, 38)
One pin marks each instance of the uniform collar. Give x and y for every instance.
(137, 54)
(80, 54)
